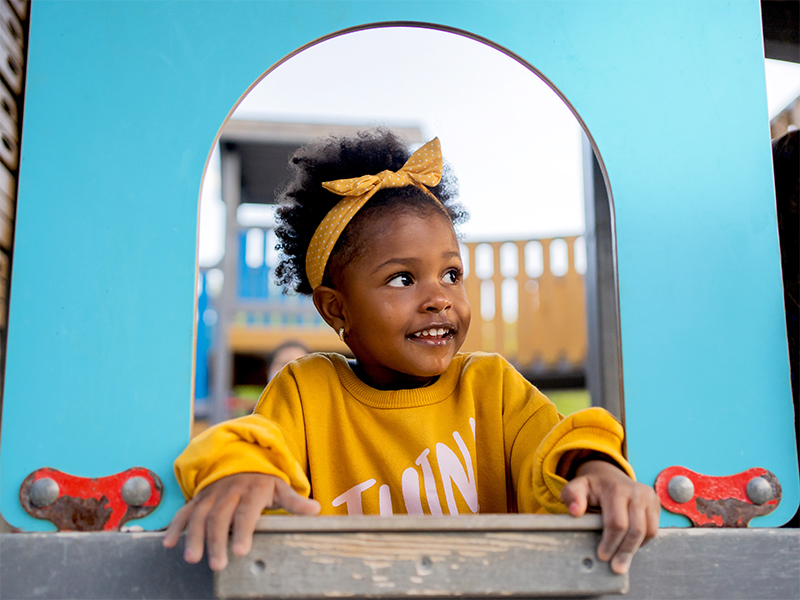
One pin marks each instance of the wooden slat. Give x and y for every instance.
(497, 322)
(526, 325)
(11, 70)
(264, 339)
(546, 313)
(8, 192)
(4, 283)
(472, 285)
(560, 317)
(6, 232)
(9, 115)
(9, 145)
(8, 34)
(4, 266)
(8, 184)
(11, 29)
(576, 342)
(20, 7)
(473, 564)
(428, 523)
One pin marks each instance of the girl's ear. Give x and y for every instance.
(330, 304)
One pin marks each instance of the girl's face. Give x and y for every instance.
(404, 302)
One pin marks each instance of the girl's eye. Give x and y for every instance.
(401, 280)
(452, 276)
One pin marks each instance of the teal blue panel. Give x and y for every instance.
(123, 103)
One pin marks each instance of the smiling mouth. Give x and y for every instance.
(433, 334)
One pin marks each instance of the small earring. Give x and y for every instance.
(341, 334)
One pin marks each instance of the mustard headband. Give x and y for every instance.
(424, 168)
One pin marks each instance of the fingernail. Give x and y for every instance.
(217, 564)
(574, 508)
(239, 549)
(621, 564)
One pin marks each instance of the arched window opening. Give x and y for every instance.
(528, 176)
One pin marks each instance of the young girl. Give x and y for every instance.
(409, 426)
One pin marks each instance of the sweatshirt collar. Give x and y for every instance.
(441, 389)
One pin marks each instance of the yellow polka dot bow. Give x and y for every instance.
(424, 168)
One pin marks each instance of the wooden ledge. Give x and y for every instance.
(480, 556)
(403, 523)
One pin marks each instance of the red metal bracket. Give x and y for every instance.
(82, 504)
(708, 501)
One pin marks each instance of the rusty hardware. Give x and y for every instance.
(708, 501)
(82, 504)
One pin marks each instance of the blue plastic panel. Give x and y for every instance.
(123, 104)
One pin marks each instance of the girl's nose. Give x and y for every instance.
(437, 301)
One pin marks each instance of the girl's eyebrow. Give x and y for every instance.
(399, 261)
(411, 261)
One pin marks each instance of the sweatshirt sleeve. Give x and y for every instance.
(270, 441)
(593, 429)
(249, 444)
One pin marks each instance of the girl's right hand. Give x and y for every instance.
(237, 501)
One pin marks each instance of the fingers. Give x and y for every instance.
(194, 540)
(218, 526)
(272, 493)
(247, 514)
(290, 500)
(175, 528)
(576, 496)
(615, 525)
(630, 519)
(653, 518)
(234, 500)
(633, 538)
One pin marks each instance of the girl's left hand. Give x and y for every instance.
(630, 510)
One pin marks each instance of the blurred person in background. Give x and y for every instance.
(284, 354)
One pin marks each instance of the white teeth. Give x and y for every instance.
(432, 333)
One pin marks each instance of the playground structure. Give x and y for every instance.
(99, 380)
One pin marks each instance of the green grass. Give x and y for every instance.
(569, 401)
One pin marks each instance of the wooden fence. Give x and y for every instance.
(528, 301)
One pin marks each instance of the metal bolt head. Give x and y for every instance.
(136, 491)
(680, 489)
(759, 490)
(43, 492)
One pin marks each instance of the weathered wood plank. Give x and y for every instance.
(398, 523)
(476, 564)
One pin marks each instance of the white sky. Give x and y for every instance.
(513, 144)
(783, 85)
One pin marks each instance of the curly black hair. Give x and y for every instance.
(304, 202)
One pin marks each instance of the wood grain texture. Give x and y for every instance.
(477, 564)
(403, 523)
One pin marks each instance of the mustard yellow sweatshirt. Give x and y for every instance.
(481, 438)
